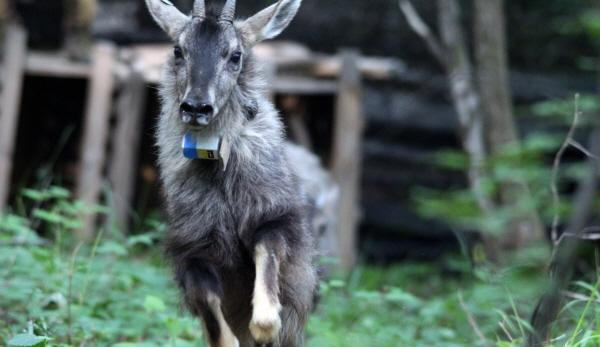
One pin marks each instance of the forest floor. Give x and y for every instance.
(117, 291)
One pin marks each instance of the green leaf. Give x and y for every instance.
(59, 192)
(154, 304)
(337, 284)
(174, 326)
(35, 195)
(27, 340)
(16, 225)
(111, 247)
(146, 239)
(399, 296)
(47, 216)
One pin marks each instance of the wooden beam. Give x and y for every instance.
(15, 50)
(297, 85)
(97, 117)
(130, 111)
(287, 59)
(347, 155)
(55, 65)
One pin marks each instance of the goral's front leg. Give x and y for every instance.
(266, 321)
(220, 335)
(202, 288)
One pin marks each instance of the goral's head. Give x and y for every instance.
(210, 51)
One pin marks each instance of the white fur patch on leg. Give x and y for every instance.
(227, 338)
(266, 322)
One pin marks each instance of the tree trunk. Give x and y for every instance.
(493, 78)
(468, 107)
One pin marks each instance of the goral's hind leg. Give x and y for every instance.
(202, 290)
(266, 322)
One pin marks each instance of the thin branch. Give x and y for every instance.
(418, 25)
(555, 171)
(583, 150)
(510, 338)
(472, 320)
(588, 234)
(578, 296)
(70, 291)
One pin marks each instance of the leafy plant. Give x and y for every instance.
(118, 292)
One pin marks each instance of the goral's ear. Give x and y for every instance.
(271, 21)
(168, 17)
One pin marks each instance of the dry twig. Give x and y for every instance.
(583, 150)
(418, 25)
(556, 169)
(70, 290)
(472, 320)
(565, 247)
(578, 296)
(503, 327)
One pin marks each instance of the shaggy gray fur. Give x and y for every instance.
(215, 217)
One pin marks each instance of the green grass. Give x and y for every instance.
(114, 294)
(117, 291)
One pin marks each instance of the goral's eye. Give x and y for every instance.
(178, 52)
(236, 57)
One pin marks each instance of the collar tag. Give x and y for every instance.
(203, 146)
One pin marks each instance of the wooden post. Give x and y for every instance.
(15, 50)
(347, 155)
(130, 108)
(80, 15)
(97, 117)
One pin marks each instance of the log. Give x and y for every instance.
(130, 110)
(346, 156)
(15, 49)
(97, 117)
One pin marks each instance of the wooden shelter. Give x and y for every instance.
(117, 89)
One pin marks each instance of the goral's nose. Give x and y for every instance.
(196, 112)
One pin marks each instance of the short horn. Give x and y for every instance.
(199, 9)
(228, 13)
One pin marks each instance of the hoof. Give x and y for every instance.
(265, 325)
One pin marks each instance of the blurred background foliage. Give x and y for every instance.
(117, 290)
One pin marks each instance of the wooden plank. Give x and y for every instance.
(130, 110)
(376, 68)
(347, 156)
(286, 58)
(297, 85)
(15, 50)
(97, 117)
(55, 65)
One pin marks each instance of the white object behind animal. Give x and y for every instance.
(322, 194)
